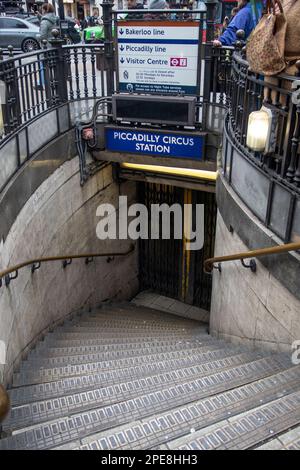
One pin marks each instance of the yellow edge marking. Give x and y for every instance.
(201, 174)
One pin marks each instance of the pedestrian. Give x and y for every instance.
(83, 23)
(157, 5)
(134, 5)
(243, 19)
(48, 21)
(291, 10)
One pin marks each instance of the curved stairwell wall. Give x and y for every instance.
(259, 309)
(59, 219)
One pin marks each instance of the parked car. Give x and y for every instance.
(19, 33)
(32, 19)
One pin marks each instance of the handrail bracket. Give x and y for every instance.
(252, 265)
(8, 278)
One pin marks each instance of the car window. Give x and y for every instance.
(12, 23)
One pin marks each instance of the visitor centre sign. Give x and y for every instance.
(158, 57)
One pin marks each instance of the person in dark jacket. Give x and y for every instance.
(134, 5)
(243, 19)
(48, 21)
(157, 5)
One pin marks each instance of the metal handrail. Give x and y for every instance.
(209, 264)
(67, 259)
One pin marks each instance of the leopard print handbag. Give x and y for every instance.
(265, 47)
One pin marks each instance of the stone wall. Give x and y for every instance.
(60, 218)
(251, 308)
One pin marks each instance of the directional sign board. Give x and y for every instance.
(156, 143)
(158, 57)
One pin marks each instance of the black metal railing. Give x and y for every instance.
(42, 80)
(247, 92)
(59, 78)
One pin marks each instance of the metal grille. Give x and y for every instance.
(161, 261)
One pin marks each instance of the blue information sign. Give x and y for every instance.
(162, 144)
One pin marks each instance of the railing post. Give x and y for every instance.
(210, 16)
(208, 54)
(108, 44)
(9, 94)
(59, 75)
(2, 97)
(293, 169)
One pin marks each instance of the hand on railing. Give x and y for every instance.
(217, 43)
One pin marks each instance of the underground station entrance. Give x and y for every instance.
(160, 130)
(167, 160)
(181, 332)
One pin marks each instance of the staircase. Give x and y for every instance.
(131, 377)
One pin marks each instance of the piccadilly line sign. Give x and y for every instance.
(158, 57)
(155, 143)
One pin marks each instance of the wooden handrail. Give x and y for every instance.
(273, 250)
(4, 403)
(35, 261)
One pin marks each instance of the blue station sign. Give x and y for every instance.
(155, 143)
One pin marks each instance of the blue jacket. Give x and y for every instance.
(242, 20)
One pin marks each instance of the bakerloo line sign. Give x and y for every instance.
(157, 63)
(158, 56)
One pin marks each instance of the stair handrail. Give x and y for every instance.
(209, 264)
(67, 259)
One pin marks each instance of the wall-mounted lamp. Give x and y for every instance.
(261, 132)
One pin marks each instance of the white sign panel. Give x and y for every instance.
(158, 57)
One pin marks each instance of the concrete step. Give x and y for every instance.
(246, 430)
(25, 415)
(77, 426)
(124, 349)
(162, 303)
(97, 316)
(286, 441)
(111, 326)
(130, 326)
(30, 393)
(132, 367)
(112, 361)
(187, 419)
(51, 341)
(131, 311)
(131, 378)
(107, 336)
